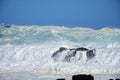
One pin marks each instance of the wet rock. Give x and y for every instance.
(81, 49)
(58, 51)
(60, 79)
(90, 54)
(63, 54)
(82, 77)
(62, 49)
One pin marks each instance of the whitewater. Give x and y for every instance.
(30, 48)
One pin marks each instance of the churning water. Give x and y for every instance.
(30, 48)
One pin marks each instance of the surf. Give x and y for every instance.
(30, 48)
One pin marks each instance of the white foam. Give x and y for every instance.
(31, 48)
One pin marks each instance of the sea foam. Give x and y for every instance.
(24, 48)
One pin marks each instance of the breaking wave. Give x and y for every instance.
(32, 47)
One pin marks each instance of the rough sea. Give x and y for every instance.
(26, 52)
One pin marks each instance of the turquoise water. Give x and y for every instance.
(38, 35)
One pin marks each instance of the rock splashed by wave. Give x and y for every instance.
(24, 48)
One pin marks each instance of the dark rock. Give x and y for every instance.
(73, 49)
(60, 79)
(65, 55)
(90, 53)
(81, 49)
(117, 79)
(60, 50)
(82, 77)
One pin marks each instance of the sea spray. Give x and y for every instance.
(31, 47)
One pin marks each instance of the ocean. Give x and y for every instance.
(50, 52)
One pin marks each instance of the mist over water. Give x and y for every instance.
(24, 48)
